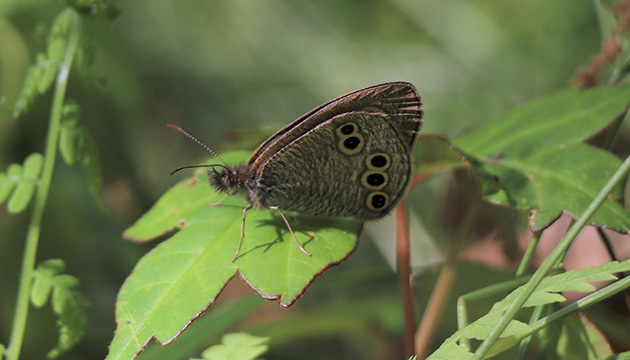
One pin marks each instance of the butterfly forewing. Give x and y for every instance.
(398, 100)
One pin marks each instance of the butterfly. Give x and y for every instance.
(349, 157)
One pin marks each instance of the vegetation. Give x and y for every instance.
(524, 131)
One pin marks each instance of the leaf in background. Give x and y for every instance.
(537, 160)
(45, 71)
(44, 280)
(19, 182)
(70, 137)
(41, 75)
(606, 17)
(237, 346)
(206, 329)
(581, 340)
(435, 154)
(75, 144)
(180, 278)
(68, 304)
(9, 180)
(547, 292)
(560, 118)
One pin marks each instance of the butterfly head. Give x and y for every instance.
(228, 180)
(223, 180)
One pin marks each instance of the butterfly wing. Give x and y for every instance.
(399, 100)
(349, 157)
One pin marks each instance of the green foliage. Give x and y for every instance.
(435, 154)
(183, 275)
(235, 76)
(535, 152)
(76, 145)
(41, 75)
(95, 7)
(211, 326)
(68, 304)
(547, 292)
(18, 183)
(578, 339)
(237, 346)
(523, 159)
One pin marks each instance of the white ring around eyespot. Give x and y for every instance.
(354, 131)
(368, 161)
(366, 185)
(371, 195)
(354, 151)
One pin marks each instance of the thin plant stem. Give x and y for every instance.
(34, 229)
(443, 286)
(527, 259)
(529, 254)
(524, 344)
(556, 254)
(435, 308)
(404, 275)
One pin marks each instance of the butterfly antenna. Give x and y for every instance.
(198, 142)
(196, 166)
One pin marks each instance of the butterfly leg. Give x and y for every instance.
(290, 229)
(242, 231)
(220, 201)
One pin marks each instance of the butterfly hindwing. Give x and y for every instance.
(354, 164)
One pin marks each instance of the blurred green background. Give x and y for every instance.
(231, 72)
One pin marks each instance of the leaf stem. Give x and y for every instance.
(404, 275)
(529, 254)
(34, 229)
(581, 304)
(550, 261)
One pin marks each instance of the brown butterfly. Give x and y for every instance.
(351, 156)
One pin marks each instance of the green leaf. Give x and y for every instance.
(451, 350)
(581, 340)
(435, 154)
(68, 304)
(19, 182)
(558, 180)
(44, 280)
(45, 73)
(175, 282)
(29, 90)
(42, 74)
(9, 180)
(56, 49)
(62, 24)
(533, 158)
(547, 292)
(561, 118)
(70, 136)
(208, 327)
(237, 346)
(75, 144)
(3, 351)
